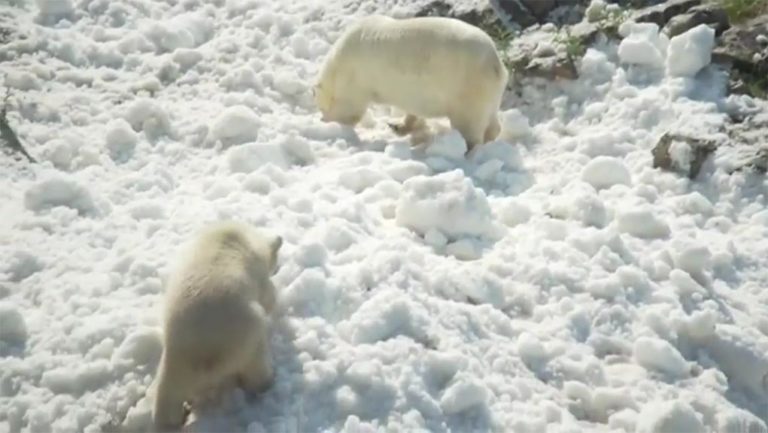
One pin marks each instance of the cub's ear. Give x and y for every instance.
(277, 242)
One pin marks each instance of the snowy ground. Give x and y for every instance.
(554, 282)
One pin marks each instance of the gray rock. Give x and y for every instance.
(661, 14)
(710, 14)
(539, 8)
(700, 151)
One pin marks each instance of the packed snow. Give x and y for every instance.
(550, 281)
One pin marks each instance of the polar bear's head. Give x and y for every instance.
(335, 109)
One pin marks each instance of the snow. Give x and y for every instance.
(606, 171)
(448, 202)
(552, 280)
(643, 44)
(689, 52)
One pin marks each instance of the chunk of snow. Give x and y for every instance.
(13, 328)
(449, 145)
(514, 124)
(514, 212)
(644, 45)
(669, 416)
(606, 171)
(51, 11)
(657, 354)
(235, 125)
(120, 140)
(448, 202)
(141, 347)
(691, 51)
(463, 394)
(642, 222)
(148, 116)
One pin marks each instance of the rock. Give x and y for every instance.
(662, 13)
(539, 8)
(493, 16)
(513, 12)
(698, 151)
(740, 48)
(749, 144)
(585, 32)
(551, 68)
(709, 14)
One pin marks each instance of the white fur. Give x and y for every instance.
(216, 314)
(428, 67)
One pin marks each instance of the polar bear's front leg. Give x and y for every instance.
(257, 373)
(409, 124)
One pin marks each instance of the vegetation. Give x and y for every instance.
(7, 134)
(742, 10)
(574, 46)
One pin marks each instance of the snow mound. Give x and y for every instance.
(691, 51)
(447, 202)
(606, 171)
(385, 316)
(184, 31)
(246, 158)
(60, 190)
(643, 45)
(20, 265)
(235, 125)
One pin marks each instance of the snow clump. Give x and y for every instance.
(447, 202)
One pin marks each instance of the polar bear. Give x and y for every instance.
(428, 67)
(218, 302)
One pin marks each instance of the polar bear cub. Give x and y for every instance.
(426, 66)
(217, 306)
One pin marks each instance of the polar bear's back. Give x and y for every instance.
(435, 56)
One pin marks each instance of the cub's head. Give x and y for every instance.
(267, 246)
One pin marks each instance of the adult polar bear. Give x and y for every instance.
(426, 66)
(216, 314)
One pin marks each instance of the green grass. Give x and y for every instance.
(574, 47)
(742, 10)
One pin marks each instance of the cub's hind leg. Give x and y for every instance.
(409, 124)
